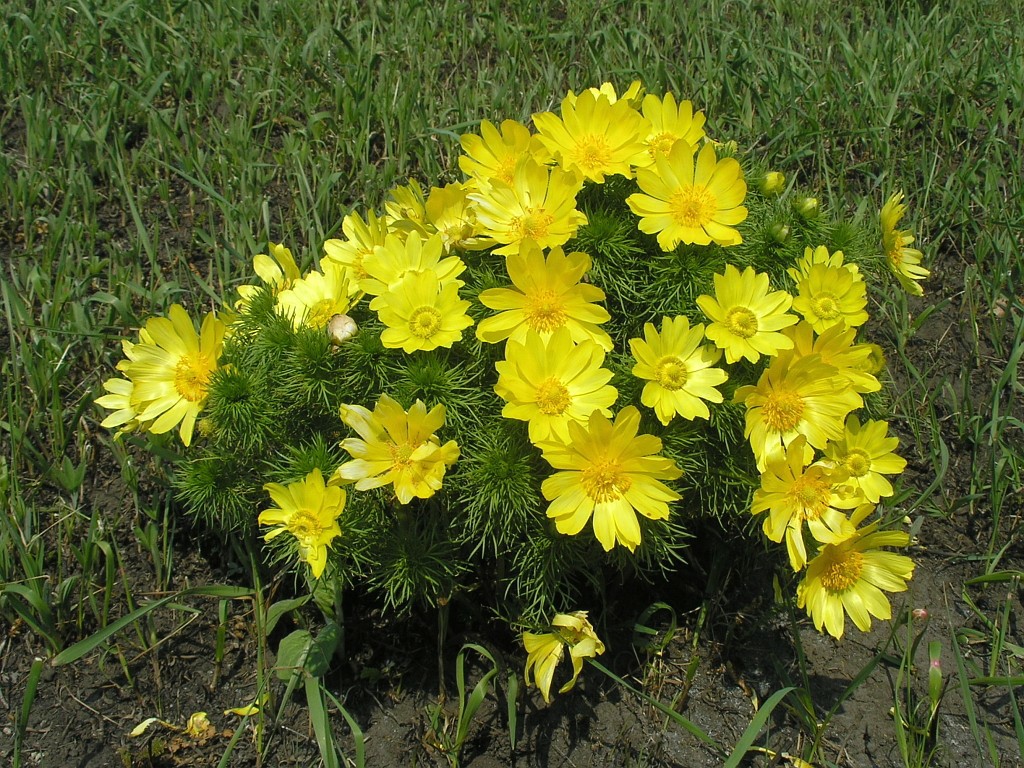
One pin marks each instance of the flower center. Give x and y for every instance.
(671, 373)
(661, 144)
(552, 397)
(843, 572)
(782, 411)
(400, 454)
(825, 306)
(424, 322)
(692, 206)
(741, 322)
(857, 462)
(592, 153)
(533, 226)
(545, 311)
(505, 170)
(304, 525)
(811, 493)
(603, 481)
(191, 377)
(320, 314)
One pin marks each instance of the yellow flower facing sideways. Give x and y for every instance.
(549, 383)
(544, 651)
(422, 314)
(856, 363)
(804, 397)
(278, 270)
(819, 255)
(495, 154)
(670, 122)
(746, 315)
(595, 137)
(391, 262)
(678, 369)
(317, 297)
(690, 200)
(904, 261)
(794, 494)
(362, 237)
(539, 205)
(396, 448)
(866, 453)
(167, 375)
(851, 576)
(546, 295)
(608, 473)
(309, 511)
(632, 95)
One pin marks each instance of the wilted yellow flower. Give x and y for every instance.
(397, 448)
(309, 511)
(544, 651)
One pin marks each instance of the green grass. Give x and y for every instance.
(149, 150)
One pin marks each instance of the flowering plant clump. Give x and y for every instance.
(539, 375)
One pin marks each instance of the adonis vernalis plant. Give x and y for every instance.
(515, 384)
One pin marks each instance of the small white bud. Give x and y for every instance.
(341, 328)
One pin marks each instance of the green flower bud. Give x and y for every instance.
(780, 233)
(772, 184)
(807, 207)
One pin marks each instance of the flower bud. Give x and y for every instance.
(874, 363)
(780, 233)
(920, 614)
(341, 328)
(807, 207)
(772, 184)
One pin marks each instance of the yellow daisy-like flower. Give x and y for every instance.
(794, 494)
(548, 295)
(363, 238)
(494, 154)
(167, 373)
(905, 262)
(594, 136)
(451, 214)
(678, 369)
(609, 473)
(820, 255)
(309, 511)
(690, 201)
(857, 363)
(278, 270)
(632, 95)
(397, 448)
(390, 263)
(746, 315)
(866, 453)
(804, 397)
(670, 123)
(317, 297)
(850, 576)
(406, 207)
(831, 296)
(422, 314)
(568, 630)
(551, 382)
(539, 205)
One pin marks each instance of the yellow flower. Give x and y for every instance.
(317, 297)
(406, 207)
(548, 295)
(278, 271)
(690, 201)
(905, 262)
(866, 453)
(678, 369)
(857, 363)
(669, 124)
(544, 651)
(594, 137)
(390, 263)
(451, 214)
(550, 383)
(609, 473)
(746, 318)
(539, 205)
(831, 296)
(632, 95)
(820, 255)
(363, 238)
(309, 511)
(494, 154)
(397, 448)
(169, 372)
(794, 494)
(804, 397)
(422, 314)
(850, 576)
